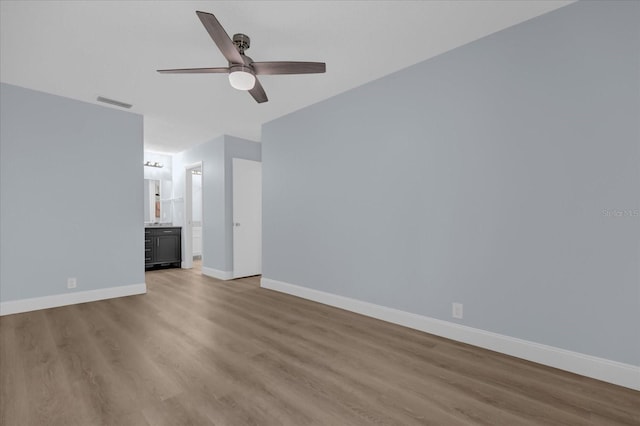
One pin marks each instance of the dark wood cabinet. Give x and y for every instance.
(162, 247)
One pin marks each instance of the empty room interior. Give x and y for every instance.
(420, 212)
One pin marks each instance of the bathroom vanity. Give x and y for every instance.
(162, 246)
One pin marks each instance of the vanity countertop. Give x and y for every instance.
(161, 225)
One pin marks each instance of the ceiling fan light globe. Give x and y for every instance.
(242, 80)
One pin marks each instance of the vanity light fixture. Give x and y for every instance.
(154, 164)
(196, 172)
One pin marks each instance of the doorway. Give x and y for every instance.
(193, 218)
(196, 217)
(247, 218)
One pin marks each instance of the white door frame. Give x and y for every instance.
(187, 230)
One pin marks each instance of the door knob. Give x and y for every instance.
(236, 224)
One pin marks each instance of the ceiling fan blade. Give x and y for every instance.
(288, 67)
(220, 37)
(258, 93)
(195, 70)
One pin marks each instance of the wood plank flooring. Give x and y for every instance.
(198, 351)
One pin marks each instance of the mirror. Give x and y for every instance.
(152, 209)
(158, 205)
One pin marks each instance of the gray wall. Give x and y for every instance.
(217, 191)
(212, 156)
(486, 176)
(69, 205)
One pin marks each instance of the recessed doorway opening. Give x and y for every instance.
(193, 216)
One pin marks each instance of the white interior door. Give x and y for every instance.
(247, 218)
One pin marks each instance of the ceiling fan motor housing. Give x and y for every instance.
(241, 68)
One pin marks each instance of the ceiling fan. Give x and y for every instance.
(242, 70)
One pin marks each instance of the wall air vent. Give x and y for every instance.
(114, 102)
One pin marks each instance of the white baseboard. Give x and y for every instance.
(586, 365)
(56, 300)
(221, 275)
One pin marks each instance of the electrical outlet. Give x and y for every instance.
(457, 310)
(71, 283)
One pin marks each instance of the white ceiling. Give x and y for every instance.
(85, 49)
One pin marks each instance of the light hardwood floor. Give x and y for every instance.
(198, 351)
